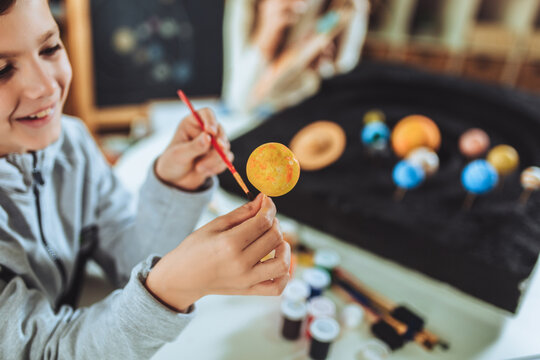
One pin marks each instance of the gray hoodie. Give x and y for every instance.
(59, 205)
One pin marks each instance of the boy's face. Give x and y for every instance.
(34, 77)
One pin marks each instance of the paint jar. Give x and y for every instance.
(289, 229)
(373, 349)
(317, 307)
(323, 333)
(351, 316)
(296, 290)
(317, 279)
(326, 259)
(293, 313)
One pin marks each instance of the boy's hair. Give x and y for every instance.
(5, 5)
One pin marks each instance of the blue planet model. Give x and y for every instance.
(375, 134)
(479, 177)
(407, 175)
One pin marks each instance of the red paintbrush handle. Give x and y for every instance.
(214, 141)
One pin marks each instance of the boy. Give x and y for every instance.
(60, 203)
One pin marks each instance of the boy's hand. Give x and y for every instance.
(190, 158)
(223, 257)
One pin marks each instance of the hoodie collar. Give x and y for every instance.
(16, 169)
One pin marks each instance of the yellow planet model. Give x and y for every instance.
(504, 159)
(273, 169)
(373, 116)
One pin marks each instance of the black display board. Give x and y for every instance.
(148, 49)
(486, 251)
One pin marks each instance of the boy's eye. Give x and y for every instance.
(5, 71)
(51, 50)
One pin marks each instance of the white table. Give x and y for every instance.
(248, 327)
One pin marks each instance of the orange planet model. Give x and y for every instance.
(319, 144)
(273, 169)
(414, 131)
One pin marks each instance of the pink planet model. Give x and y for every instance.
(473, 143)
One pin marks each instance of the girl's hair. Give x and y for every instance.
(5, 5)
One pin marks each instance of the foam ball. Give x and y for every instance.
(473, 143)
(374, 115)
(407, 175)
(273, 169)
(504, 159)
(415, 131)
(375, 134)
(425, 158)
(479, 177)
(530, 178)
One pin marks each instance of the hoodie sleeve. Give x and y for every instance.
(129, 232)
(128, 324)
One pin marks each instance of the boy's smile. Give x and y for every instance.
(35, 75)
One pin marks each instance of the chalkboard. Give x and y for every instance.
(147, 49)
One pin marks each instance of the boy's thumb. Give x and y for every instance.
(241, 214)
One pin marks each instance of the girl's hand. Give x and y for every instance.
(272, 18)
(190, 158)
(223, 257)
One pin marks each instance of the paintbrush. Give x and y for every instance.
(414, 322)
(216, 146)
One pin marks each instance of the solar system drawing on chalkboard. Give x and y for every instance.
(146, 50)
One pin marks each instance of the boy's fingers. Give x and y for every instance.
(273, 268)
(186, 152)
(270, 287)
(239, 215)
(254, 227)
(193, 127)
(212, 163)
(261, 247)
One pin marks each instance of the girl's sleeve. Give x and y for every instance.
(243, 62)
(353, 38)
(128, 324)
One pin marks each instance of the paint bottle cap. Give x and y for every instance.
(293, 310)
(316, 278)
(374, 349)
(321, 306)
(327, 258)
(324, 329)
(352, 316)
(296, 290)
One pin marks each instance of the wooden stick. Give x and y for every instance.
(525, 195)
(469, 200)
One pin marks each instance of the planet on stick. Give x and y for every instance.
(273, 169)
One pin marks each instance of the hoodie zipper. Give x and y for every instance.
(38, 181)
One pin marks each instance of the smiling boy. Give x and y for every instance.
(60, 204)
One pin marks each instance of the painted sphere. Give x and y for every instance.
(473, 143)
(504, 159)
(273, 169)
(415, 131)
(425, 158)
(374, 115)
(407, 175)
(375, 134)
(530, 178)
(319, 144)
(479, 177)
